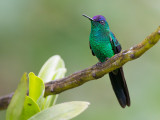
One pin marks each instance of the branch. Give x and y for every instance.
(96, 71)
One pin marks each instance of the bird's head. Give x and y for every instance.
(98, 21)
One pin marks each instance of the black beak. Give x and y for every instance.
(88, 17)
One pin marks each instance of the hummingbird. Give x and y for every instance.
(104, 45)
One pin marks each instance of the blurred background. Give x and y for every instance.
(32, 31)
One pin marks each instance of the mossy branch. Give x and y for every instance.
(96, 71)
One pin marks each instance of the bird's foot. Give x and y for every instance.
(107, 58)
(98, 63)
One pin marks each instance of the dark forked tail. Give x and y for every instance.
(120, 87)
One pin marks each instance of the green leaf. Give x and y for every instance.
(49, 70)
(64, 111)
(54, 68)
(15, 107)
(30, 108)
(36, 88)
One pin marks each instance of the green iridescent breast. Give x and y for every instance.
(101, 46)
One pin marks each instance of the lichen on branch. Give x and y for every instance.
(96, 71)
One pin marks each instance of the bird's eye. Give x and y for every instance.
(102, 22)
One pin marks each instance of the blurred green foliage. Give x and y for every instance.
(35, 106)
(33, 31)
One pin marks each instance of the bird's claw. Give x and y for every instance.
(98, 63)
(107, 58)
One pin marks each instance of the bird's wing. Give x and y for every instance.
(91, 49)
(117, 77)
(115, 44)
